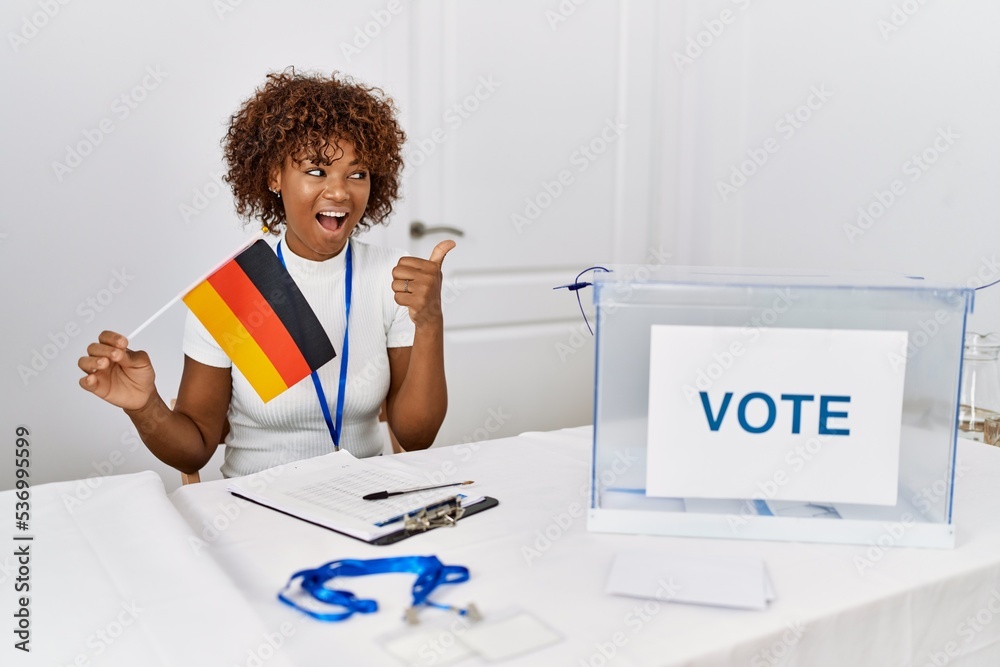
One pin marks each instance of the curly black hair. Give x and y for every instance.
(295, 114)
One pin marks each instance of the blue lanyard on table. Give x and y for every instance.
(430, 572)
(335, 429)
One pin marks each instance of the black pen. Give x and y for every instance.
(382, 495)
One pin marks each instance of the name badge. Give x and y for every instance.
(809, 415)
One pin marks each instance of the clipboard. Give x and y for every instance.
(404, 532)
(329, 491)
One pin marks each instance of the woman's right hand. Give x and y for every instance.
(118, 375)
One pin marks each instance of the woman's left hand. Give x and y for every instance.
(416, 284)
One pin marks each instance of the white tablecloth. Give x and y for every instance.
(117, 578)
(908, 607)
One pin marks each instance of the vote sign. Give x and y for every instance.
(808, 415)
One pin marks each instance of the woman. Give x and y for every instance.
(315, 159)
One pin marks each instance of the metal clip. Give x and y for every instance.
(445, 513)
(472, 613)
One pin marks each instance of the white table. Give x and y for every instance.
(910, 607)
(116, 579)
(194, 582)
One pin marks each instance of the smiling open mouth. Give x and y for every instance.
(330, 220)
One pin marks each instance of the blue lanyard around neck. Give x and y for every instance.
(335, 429)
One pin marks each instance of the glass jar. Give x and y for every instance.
(980, 397)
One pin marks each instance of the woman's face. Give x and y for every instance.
(323, 203)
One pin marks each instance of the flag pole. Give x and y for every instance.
(155, 315)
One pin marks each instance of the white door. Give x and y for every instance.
(529, 131)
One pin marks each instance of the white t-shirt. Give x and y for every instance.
(291, 427)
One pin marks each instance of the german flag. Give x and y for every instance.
(257, 314)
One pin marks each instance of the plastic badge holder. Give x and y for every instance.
(454, 640)
(630, 300)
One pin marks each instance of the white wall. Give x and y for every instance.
(63, 236)
(898, 73)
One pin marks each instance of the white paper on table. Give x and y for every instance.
(123, 581)
(694, 579)
(688, 459)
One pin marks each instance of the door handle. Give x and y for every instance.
(419, 230)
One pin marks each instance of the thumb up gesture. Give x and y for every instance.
(416, 284)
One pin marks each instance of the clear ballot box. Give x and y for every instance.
(770, 405)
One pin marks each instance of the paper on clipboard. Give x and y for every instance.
(328, 490)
